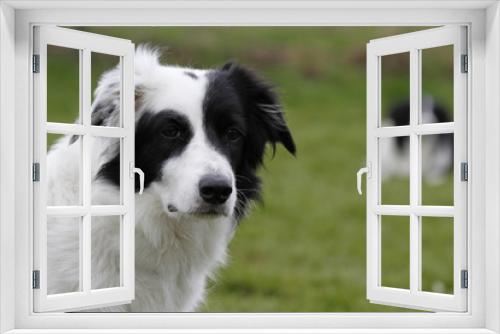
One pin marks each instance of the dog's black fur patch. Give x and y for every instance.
(238, 99)
(152, 145)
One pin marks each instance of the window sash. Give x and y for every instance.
(86, 43)
(414, 297)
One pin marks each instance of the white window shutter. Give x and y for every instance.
(86, 297)
(414, 297)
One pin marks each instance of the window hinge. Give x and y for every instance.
(36, 63)
(464, 171)
(464, 280)
(465, 64)
(36, 279)
(36, 172)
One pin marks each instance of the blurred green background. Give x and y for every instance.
(303, 248)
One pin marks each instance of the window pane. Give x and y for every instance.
(395, 170)
(437, 169)
(63, 254)
(106, 241)
(437, 254)
(437, 84)
(106, 171)
(395, 232)
(106, 112)
(63, 85)
(64, 170)
(395, 86)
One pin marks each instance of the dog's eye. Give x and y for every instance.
(232, 134)
(172, 132)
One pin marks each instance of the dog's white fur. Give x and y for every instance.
(175, 252)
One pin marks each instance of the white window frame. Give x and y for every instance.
(16, 20)
(85, 43)
(413, 44)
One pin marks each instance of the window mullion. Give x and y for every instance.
(415, 165)
(85, 100)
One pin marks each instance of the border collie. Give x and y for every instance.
(200, 139)
(437, 150)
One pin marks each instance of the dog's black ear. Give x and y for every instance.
(227, 66)
(263, 103)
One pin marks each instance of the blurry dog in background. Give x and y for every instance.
(437, 150)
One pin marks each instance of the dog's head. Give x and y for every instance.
(200, 134)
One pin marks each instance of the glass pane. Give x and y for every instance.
(437, 84)
(395, 89)
(437, 169)
(395, 232)
(106, 112)
(63, 85)
(106, 171)
(63, 254)
(395, 170)
(64, 170)
(106, 241)
(437, 254)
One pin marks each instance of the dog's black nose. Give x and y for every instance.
(215, 189)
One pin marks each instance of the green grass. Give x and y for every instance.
(303, 249)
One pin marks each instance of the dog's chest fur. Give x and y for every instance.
(172, 271)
